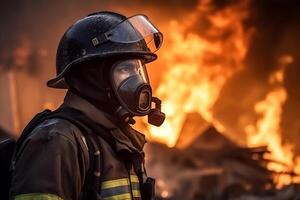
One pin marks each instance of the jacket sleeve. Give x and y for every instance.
(51, 166)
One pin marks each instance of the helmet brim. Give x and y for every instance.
(60, 83)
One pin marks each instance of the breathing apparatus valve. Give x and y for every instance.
(156, 117)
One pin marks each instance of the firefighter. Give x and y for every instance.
(91, 151)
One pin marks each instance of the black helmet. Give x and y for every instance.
(103, 35)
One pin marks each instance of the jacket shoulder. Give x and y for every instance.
(52, 160)
(56, 127)
(59, 129)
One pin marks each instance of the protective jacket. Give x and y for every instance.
(54, 159)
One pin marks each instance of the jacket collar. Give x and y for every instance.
(126, 137)
(74, 101)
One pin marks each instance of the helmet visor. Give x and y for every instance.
(128, 68)
(134, 29)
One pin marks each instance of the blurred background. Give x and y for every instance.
(227, 65)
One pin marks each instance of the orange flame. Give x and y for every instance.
(199, 65)
(268, 132)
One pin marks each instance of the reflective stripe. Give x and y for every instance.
(134, 179)
(136, 193)
(37, 196)
(119, 189)
(115, 183)
(115, 191)
(135, 186)
(126, 196)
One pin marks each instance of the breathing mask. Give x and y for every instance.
(131, 86)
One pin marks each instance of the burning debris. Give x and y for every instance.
(267, 129)
(200, 61)
(214, 167)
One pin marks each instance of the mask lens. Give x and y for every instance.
(124, 70)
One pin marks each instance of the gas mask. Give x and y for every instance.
(130, 82)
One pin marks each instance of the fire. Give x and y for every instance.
(267, 130)
(198, 65)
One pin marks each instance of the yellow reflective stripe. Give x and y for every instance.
(134, 179)
(115, 183)
(126, 196)
(119, 182)
(136, 193)
(37, 196)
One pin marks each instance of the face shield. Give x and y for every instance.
(132, 30)
(131, 85)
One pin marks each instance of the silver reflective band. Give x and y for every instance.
(133, 29)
